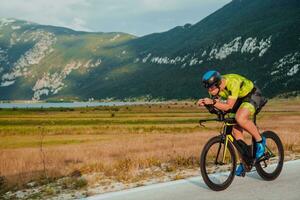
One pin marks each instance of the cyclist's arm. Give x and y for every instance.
(225, 106)
(234, 89)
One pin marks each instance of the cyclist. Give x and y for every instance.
(235, 93)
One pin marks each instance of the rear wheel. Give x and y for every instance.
(274, 155)
(218, 175)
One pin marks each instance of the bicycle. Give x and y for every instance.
(218, 168)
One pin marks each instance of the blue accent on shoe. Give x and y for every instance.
(263, 140)
(260, 148)
(240, 170)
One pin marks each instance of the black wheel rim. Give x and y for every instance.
(218, 172)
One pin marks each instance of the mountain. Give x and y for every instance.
(259, 39)
(42, 61)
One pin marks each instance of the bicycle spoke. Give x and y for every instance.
(218, 172)
(219, 178)
(272, 153)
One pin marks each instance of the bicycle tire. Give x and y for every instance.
(260, 170)
(209, 183)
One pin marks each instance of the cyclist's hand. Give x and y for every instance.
(200, 102)
(208, 101)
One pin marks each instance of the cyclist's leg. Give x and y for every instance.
(237, 132)
(243, 118)
(238, 135)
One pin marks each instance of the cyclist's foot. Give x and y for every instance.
(240, 171)
(260, 148)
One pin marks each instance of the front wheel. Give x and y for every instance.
(217, 171)
(272, 164)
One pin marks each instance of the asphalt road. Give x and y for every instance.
(286, 186)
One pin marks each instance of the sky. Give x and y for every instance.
(137, 17)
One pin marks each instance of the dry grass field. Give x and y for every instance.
(118, 142)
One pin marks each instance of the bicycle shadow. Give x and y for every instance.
(198, 183)
(254, 175)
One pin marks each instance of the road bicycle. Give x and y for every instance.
(219, 156)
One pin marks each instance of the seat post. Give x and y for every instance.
(254, 118)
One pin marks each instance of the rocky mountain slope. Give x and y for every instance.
(258, 39)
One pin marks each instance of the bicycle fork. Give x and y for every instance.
(227, 138)
(247, 161)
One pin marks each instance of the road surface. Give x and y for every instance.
(286, 186)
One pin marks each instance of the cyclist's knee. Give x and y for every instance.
(242, 116)
(241, 120)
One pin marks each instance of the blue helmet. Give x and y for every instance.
(211, 78)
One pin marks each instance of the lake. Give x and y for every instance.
(69, 105)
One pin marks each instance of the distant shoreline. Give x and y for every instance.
(97, 101)
(44, 105)
(101, 102)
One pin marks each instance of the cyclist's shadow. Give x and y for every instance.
(199, 182)
(254, 175)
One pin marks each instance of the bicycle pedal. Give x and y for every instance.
(267, 155)
(265, 164)
(247, 166)
(262, 158)
(248, 169)
(243, 174)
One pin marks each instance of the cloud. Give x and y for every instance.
(138, 17)
(59, 13)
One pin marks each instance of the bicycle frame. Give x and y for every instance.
(221, 153)
(226, 137)
(226, 134)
